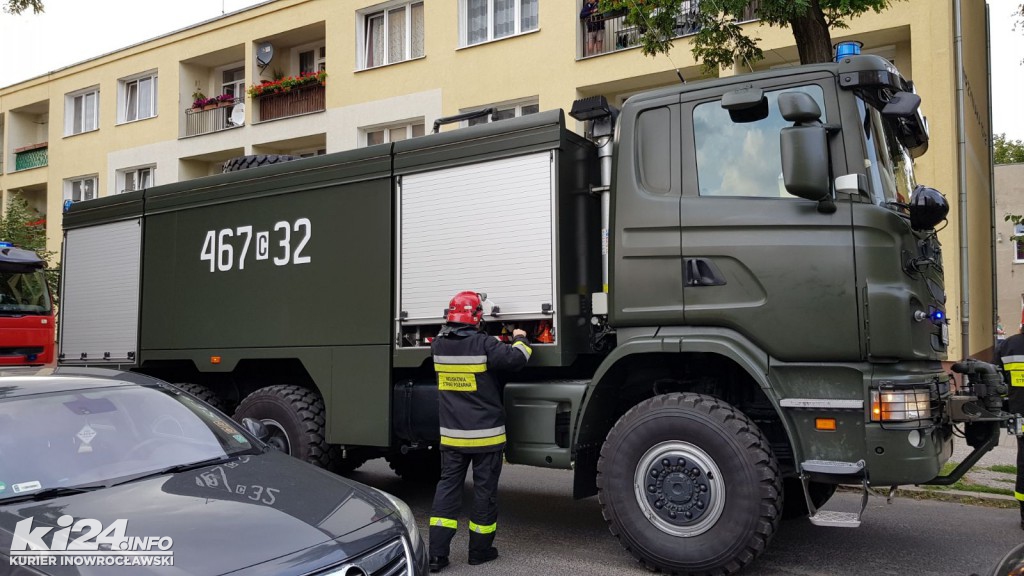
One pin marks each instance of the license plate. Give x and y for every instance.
(945, 335)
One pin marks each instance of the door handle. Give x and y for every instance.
(703, 272)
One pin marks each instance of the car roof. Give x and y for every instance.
(20, 383)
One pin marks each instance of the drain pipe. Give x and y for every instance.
(991, 176)
(965, 316)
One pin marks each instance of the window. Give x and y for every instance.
(82, 111)
(743, 158)
(394, 133)
(1018, 244)
(80, 189)
(309, 153)
(135, 179)
(310, 61)
(137, 97)
(508, 110)
(233, 82)
(486, 20)
(394, 34)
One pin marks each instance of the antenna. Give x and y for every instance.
(264, 54)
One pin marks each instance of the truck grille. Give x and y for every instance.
(391, 559)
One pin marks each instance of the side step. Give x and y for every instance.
(829, 517)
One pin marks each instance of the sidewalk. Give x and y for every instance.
(1003, 456)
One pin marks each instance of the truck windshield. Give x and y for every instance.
(890, 166)
(23, 293)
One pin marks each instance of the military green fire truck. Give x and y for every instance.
(734, 289)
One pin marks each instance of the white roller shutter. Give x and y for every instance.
(100, 293)
(483, 227)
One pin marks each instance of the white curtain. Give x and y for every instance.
(528, 19)
(476, 21)
(396, 35)
(504, 18)
(374, 40)
(417, 30)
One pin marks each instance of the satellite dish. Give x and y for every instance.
(264, 54)
(238, 114)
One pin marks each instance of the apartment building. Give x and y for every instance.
(126, 120)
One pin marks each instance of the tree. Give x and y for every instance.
(1007, 151)
(19, 6)
(23, 226)
(720, 41)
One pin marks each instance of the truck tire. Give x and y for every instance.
(203, 393)
(294, 416)
(255, 161)
(417, 465)
(795, 505)
(709, 494)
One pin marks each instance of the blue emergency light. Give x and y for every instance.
(6, 245)
(844, 49)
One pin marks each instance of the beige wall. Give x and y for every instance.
(1009, 185)
(919, 35)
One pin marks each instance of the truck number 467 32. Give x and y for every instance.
(219, 248)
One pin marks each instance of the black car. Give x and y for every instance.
(122, 474)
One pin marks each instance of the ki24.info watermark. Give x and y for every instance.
(94, 545)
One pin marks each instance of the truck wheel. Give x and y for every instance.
(294, 416)
(203, 393)
(348, 463)
(689, 484)
(417, 465)
(255, 161)
(795, 504)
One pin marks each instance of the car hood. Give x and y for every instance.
(260, 509)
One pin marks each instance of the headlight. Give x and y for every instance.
(901, 405)
(405, 513)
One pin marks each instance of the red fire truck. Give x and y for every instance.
(26, 309)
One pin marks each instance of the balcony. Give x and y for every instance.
(31, 156)
(294, 102)
(608, 32)
(212, 119)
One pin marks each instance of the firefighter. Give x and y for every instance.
(472, 426)
(1011, 358)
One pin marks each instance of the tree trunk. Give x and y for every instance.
(813, 41)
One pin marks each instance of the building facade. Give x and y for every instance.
(130, 119)
(1009, 186)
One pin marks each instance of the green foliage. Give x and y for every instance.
(1004, 468)
(1007, 151)
(24, 227)
(19, 6)
(721, 41)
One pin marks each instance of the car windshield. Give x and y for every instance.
(23, 293)
(890, 166)
(101, 435)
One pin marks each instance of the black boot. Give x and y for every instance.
(481, 556)
(438, 562)
(1022, 515)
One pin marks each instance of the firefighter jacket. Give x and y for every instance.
(1011, 357)
(470, 405)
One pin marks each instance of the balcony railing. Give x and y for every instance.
(31, 156)
(604, 33)
(302, 100)
(205, 121)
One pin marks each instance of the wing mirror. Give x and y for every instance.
(256, 428)
(804, 148)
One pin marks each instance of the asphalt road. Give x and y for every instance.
(542, 530)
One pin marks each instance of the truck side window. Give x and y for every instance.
(653, 150)
(743, 159)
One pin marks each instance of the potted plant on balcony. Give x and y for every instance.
(287, 84)
(225, 100)
(198, 100)
(210, 104)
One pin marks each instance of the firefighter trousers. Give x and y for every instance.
(444, 513)
(1019, 488)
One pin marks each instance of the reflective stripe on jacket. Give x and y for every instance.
(1011, 359)
(470, 397)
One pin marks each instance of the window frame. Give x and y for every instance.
(1018, 245)
(123, 89)
(384, 10)
(518, 20)
(409, 125)
(69, 187)
(515, 105)
(70, 123)
(122, 177)
(319, 51)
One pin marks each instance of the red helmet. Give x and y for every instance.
(465, 308)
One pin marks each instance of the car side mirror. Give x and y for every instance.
(256, 428)
(804, 147)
